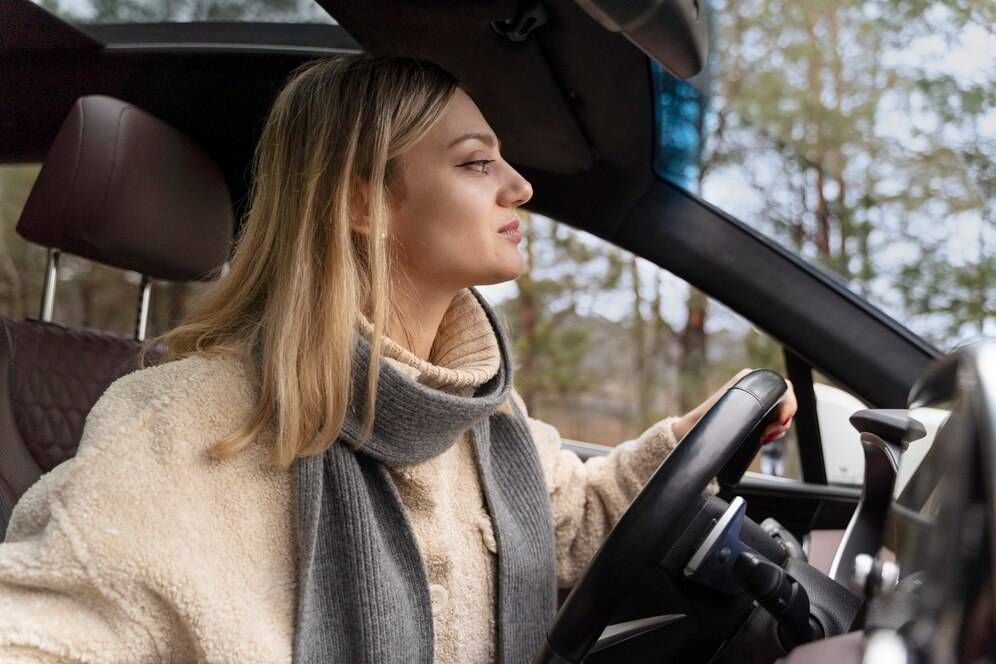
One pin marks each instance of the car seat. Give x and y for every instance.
(122, 188)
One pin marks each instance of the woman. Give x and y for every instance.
(334, 467)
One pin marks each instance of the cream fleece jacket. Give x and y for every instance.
(141, 549)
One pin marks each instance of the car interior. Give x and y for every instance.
(145, 133)
(124, 189)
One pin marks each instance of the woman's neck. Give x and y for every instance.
(417, 320)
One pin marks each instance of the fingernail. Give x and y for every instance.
(786, 420)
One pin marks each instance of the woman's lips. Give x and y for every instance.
(511, 231)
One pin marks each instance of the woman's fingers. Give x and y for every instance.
(786, 411)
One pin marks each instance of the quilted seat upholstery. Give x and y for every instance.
(56, 374)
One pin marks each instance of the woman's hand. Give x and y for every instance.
(786, 411)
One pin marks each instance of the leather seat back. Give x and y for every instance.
(119, 187)
(54, 376)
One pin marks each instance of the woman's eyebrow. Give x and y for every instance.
(487, 139)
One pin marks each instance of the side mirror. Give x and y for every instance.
(672, 32)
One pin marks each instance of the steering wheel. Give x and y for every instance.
(647, 529)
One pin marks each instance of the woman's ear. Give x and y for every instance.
(359, 208)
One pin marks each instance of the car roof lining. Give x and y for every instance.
(571, 103)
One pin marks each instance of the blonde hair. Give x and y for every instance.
(300, 275)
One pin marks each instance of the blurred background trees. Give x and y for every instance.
(862, 134)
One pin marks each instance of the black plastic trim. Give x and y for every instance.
(224, 36)
(789, 488)
(807, 424)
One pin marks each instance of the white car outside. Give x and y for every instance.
(842, 455)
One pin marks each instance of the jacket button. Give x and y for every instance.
(439, 597)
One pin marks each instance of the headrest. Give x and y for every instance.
(120, 187)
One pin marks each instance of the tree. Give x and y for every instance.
(17, 270)
(550, 337)
(841, 139)
(953, 171)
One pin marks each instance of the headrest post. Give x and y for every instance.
(48, 291)
(145, 293)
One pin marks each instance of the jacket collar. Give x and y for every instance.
(464, 353)
(415, 420)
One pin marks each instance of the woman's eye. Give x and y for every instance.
(479, 165)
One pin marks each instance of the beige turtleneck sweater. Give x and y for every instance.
(142, 549)
(445, 502)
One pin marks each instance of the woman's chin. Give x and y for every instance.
(513, 272)
(500, 276)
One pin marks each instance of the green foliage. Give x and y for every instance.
(867, 159)
(965, 294)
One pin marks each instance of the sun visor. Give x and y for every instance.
(511, 81)
(672, 32)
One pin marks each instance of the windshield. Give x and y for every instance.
(861, 136)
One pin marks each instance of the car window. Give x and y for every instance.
(87, 294)
(860, 136)
(22, 265)
(606, 343)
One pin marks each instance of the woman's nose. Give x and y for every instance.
(517, 191)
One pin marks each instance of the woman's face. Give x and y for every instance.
(453, 194)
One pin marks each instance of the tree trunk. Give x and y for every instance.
(693, 351)
(641, 370)
(528, 318)
(843, 213)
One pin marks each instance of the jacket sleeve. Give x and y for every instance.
(58, 601)
(588, 497)
(54, 604)
(136, 549)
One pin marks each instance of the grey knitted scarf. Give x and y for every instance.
(363, 595)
